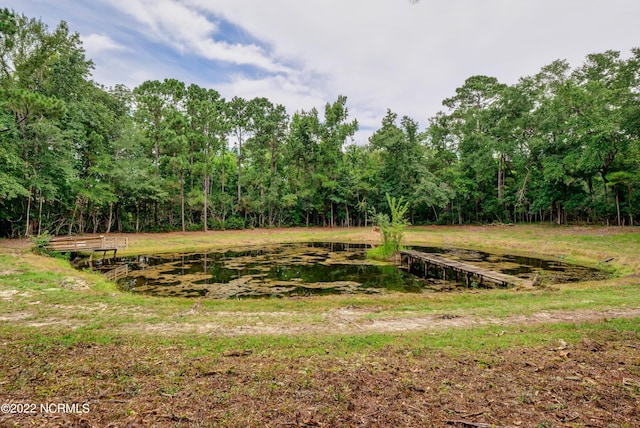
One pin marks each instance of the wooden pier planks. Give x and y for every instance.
(90, 243)
(468, 271)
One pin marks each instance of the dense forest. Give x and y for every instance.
(558, 146)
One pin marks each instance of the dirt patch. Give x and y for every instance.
(11, 294)
(8, 294)
(453, 321)
(15, 244)
(26, 319)
(15, 316)
(76, 284)
(594, 383)
(354, 321)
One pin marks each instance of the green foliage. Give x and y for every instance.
(385, 251)
(216, 224)
(393, 232)
(392, 229)
(235, 223)
(230, 223)
(40, 242)
(560, 145)
(194, 227)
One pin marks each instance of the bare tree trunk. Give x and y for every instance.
(81, 219)
(94, 216)
(109, 221)
(346, 206)
(332, 224)
(630, 207)
(40, 215)
(222, 187)
(156, 144)
(73, 217)
(618, 208)
(119, 219)
(500, 177)
(205, 186)
(137, 217)
(239, 166)
(261, 204)
(28, 223)
(182, 199)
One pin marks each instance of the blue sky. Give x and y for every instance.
(379, 53)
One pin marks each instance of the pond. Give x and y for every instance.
(302, 269)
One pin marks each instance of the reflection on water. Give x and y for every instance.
(304, 269)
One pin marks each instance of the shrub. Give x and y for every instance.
(40, 246)
(41, 242)
(216, 224)
(194, 227)
(392, 230)
(235, 223)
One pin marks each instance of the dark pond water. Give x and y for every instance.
(308, 269)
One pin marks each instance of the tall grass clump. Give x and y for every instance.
(392, 230)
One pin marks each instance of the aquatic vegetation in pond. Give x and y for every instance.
(292, 269)
(296, 269)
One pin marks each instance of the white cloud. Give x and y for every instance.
(389, 53)
(95, 44)
(278, 89)
(110, 71)
(379, 53)
(188, 31)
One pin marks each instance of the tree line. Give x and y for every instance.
(76, 157)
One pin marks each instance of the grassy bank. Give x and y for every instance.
(47, 294)
(70, 335)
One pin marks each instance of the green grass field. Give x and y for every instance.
(56, 321)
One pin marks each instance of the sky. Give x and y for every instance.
(381, 54)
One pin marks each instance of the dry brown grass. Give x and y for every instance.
(560, 356)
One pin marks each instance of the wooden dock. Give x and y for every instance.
(91, 244)
(452, 269)
(120, 272)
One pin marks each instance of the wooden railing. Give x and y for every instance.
(120, 272)
(92, 243)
